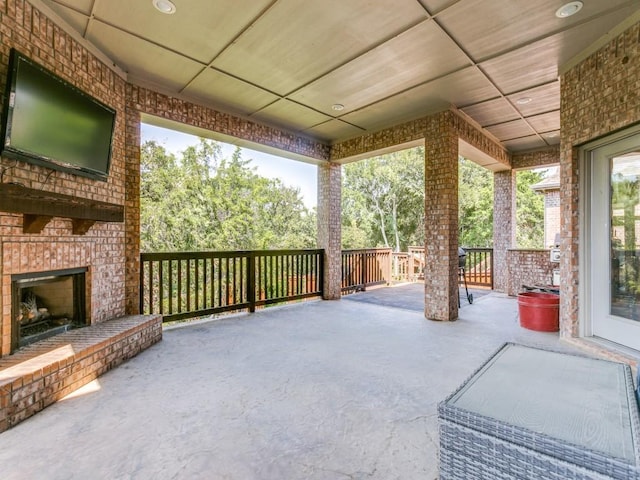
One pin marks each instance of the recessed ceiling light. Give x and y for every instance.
(552, 134)
(569, 9)
(524, 100)
(164, 6)
(337, 107)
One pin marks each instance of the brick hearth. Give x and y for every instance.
(42, 373)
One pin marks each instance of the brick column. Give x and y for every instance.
(504, 226)
(441, 218)
(329, 226)
(132, 212)
(570, 237)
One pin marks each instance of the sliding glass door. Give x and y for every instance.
(614, 247)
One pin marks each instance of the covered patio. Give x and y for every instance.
(319, 389)
(316, 390)
(509, 85)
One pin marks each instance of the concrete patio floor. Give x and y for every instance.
(408, 296)
(316, 390)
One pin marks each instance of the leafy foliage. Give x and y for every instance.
(529, 210)
(383, 201)
(203, 201)
(475, 205)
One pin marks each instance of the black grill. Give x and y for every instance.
(462, 257)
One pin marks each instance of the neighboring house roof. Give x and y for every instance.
(552, 182)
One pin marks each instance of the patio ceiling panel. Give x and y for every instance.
(467, 86)
(525, 143)
(510, 130)
(335, 128)
(552, 138)
(296, 42)
(79, 5)
(507, 25)
(547, 122)
(143, 60)
(537, 60)
(435, 6)
(537, 63)
(491, 112)
(230, 93)
(290, 115)
(544, 98)
(286, 62)
(224, 17)
(76, 13)
(391, 67)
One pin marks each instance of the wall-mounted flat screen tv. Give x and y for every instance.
(49, 122)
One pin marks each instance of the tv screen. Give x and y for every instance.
(49, 122)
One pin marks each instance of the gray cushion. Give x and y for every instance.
(580, 400)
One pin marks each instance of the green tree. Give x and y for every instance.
(624, 196)
(475, 204)
(203, 201)
(383, 204)
(529, 210)
(161, 193)
(383, 201)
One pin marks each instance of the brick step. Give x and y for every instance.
(42, 373)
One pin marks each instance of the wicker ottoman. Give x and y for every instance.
(530, 413)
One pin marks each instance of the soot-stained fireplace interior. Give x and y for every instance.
(44, 304)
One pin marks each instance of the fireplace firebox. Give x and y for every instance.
(46, 304)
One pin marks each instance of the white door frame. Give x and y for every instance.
(585, 271)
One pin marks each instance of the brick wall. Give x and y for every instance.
(504, 223)
(414, 130)
(102, 249)
(551, 216)
(143, 100)
(528, 267)
(330, 227)
(132, 211)
(536, 158)
(371, 142)
(477, 138)
(441, 218)
(598, 96)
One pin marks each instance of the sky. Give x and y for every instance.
(291, 172)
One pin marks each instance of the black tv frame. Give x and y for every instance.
(7, 120)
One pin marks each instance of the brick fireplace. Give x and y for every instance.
(71, 226)
(106, 247)
(27, 257)
(44, 304)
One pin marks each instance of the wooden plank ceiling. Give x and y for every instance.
(288, 62)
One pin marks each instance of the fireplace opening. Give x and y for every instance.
(46, 304)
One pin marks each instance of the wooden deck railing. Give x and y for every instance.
(479, 267)
(400, 267)
(191, 284)
(409, 266)
(365, 268)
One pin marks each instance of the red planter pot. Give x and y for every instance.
(539, 311)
